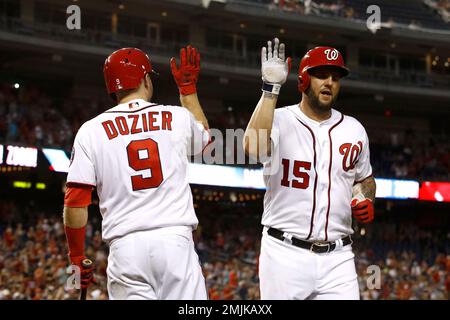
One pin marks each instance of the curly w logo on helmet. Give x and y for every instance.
(332, 54)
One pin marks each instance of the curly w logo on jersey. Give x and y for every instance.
(351, 154)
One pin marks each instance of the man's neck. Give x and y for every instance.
(132, 96)
(314, 114)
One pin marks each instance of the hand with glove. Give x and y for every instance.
(186, 75)
(274, 68)
(75, 240)
(362, 207)
(86, 271)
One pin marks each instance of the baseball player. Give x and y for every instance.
(135, 154)
(314, 157)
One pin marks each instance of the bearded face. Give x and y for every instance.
(324, 87)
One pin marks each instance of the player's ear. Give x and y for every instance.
(148, 85)
(147, 81)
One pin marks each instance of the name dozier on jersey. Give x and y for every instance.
(150, 121)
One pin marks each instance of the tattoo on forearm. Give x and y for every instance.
(368, 188)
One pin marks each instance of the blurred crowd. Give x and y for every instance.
(442, 7)
(34, 263)
(413, 261)
(335, 8)
(411, 155)
(31, 117)
(351, 9)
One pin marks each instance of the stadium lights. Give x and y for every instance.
(40, 186)
(22, 184)
(28, 185)
(19, 156)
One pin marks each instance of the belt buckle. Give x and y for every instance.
(318, 244)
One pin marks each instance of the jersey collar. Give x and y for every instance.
(133, 104)
(335, 116)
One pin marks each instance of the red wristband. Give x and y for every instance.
(75, 239)
(187, 90)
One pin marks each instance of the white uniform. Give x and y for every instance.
(314, 166)
(136, 155)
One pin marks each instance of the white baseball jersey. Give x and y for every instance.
(136, 155)
(314, 166)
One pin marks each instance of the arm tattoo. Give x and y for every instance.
(368, 188)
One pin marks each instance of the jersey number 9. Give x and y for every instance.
(144, 155)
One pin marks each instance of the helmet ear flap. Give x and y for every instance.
(303, 81)
(300, 83)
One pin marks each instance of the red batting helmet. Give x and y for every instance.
(319, 56)
(125, 68)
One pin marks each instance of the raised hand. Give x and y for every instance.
(274, 67)
(186, 75)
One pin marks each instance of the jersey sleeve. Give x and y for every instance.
(81, 168)
(275, 132)
(199, 136)
(363, 167)
(274, 139)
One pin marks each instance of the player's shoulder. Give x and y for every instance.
(86, 126)
(176, 109)
(86, 131)
(179, 114)
(284, 111)
(352, 122)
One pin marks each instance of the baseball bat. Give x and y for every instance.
(86, 263)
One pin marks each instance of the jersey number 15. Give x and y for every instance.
(303, 182)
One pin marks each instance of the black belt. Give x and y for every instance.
(316, 247)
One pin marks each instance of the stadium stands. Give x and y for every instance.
(414, 14)
(413, 258)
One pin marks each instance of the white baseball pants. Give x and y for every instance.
(288, 272)
(159, 264)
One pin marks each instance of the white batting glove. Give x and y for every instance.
(274, 67)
